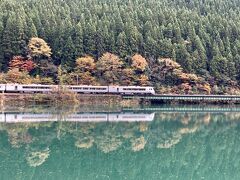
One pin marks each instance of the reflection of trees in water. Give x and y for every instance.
(85, 142)
(166, 132)
(36, 145)
(36, 158)
(138, 143)
(108, 143)
(18, 134)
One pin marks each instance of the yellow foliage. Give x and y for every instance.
(143, 80)
(85, 64)
(204, 87)
(109, 62)
(183, 76)
(87, 79)
(193, 77)
(38, 47)
(16, 76)
(169, 63)
(109, 67)
(127, 77)
(139, 62)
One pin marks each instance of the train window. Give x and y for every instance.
(36, 87)
(134, 89)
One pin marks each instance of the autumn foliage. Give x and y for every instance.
(169, 71)
(85, 64)
(22, 64)
(139, 62)
(38, 47)
(109, 68)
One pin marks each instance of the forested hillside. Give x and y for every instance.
(203, 36)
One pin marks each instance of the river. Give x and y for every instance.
(160, 142)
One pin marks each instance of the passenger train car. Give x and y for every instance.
(39, 88)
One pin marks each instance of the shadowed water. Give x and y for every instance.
(162, 142)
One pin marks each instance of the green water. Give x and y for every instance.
(178, 143)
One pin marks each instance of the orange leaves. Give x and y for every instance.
(139, 62)
(22, 64)
(28, 65)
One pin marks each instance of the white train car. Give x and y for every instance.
(37, 88)
(88, 89)
(30, 88)
(131, 90)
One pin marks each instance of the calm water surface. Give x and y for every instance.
(164, 142)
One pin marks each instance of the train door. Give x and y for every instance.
(15, 88)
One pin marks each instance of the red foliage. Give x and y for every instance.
(22, 64)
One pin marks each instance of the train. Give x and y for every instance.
(40, 88)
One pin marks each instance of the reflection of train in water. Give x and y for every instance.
(78, 117)
(39, 88)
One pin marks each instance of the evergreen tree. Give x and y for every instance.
(78, 40)
(89, 39)
(122, 45)
(183, 57)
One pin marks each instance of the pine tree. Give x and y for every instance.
(78, 40)
(201, 62)
(68, 57)
(183, 57)
(89, 41)
(122, 45)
